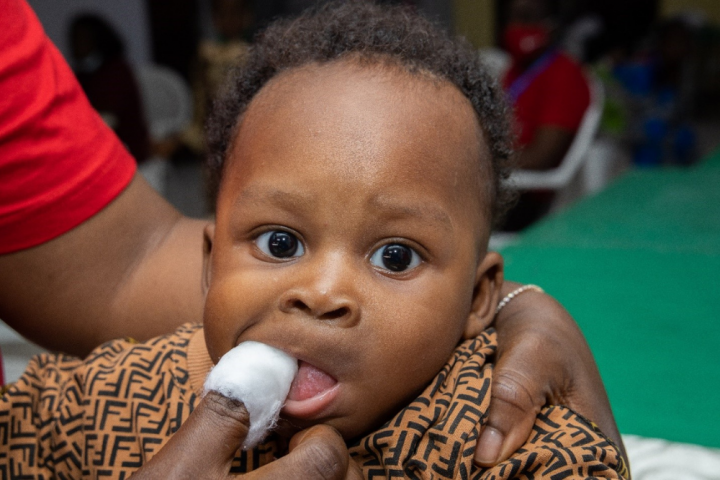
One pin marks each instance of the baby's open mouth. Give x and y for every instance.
(311, 392)
(309, 382)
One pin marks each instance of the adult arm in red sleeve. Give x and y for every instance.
(88, 251)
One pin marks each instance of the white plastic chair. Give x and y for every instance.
(496, 60)
(560, 177)
(168, 105)
(167, 100)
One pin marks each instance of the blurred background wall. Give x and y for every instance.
(710, 8)
(129, 17)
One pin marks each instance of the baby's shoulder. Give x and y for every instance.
(67, 416)
(113, 369)
(151, 356)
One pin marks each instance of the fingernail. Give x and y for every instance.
(489, 446)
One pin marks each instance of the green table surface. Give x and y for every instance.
(637, 266)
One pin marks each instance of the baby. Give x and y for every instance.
(359, 154)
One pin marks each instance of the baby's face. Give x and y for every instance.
(349, 233)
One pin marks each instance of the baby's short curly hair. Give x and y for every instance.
(379, 34)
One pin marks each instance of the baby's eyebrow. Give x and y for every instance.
(387, 206)
(424, 211)
(274, 195)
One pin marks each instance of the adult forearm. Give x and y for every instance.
(133, 269)
(546, 150)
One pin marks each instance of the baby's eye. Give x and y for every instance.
(280, 244)
(395, 257)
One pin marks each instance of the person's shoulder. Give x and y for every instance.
(106, 363)
(128, 354)
(126, 394)
(563, 60)
(565, 65)
(565, 83)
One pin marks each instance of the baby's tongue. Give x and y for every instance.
(309, 382)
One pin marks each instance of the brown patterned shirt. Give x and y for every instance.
(104, 416)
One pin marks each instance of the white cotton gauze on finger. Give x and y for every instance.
(259, 376)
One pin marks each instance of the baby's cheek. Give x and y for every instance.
(219, 322)
(413, 364)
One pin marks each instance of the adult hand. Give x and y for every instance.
(204, 447)
(542, 359)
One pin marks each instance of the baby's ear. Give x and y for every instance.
(488, 283)
(208, 237)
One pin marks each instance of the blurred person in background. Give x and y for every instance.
(232, 21)
(550, 95)
(98, 58)
(660, 93)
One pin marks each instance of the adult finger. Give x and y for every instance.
(511, 416)
(318, 452)
(204, 446)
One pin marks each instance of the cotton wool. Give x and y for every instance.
(259, 376)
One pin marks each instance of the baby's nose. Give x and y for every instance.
(322, 309)
(327, 294)
(319, 304)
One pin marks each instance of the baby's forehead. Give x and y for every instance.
(387, 96)
(363, 114)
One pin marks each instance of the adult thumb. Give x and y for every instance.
(205, 444)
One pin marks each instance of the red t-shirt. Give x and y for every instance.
(558, 96)
(59, 163)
